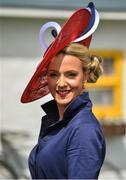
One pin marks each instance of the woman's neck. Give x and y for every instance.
(61, 109)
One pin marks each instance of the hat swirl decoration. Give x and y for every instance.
(56, 27)
(84, 22)
(92, 26)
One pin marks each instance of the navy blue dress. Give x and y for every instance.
(73, 148)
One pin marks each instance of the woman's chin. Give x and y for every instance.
(64, 100)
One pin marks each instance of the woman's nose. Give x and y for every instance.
(61, 82)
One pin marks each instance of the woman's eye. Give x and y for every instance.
(52, 75)
(72, 75)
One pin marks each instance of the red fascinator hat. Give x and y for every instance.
(78, 28)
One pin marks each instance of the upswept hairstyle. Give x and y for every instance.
(92, 64)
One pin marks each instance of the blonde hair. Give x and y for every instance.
(92, 64)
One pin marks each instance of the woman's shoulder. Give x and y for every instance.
(86, 126)
(85, 119)
(86, 135)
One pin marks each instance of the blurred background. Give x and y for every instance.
(20, 53)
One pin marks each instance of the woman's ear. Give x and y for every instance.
(84, 83)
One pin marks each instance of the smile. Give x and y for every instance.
(63, 93)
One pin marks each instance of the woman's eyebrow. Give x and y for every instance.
(71, 71)
(68, 71)
(52, 70)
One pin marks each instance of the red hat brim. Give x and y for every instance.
(75, 25)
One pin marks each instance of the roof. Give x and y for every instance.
(107, 5)
(109, 9)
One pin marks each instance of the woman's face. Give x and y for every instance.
(65, 78)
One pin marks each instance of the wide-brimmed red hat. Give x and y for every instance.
(78, 28)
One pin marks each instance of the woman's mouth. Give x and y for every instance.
(63, 93)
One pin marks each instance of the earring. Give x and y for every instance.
(84, 84)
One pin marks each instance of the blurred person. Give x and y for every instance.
(71, 143)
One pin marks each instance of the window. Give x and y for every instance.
(106, 93)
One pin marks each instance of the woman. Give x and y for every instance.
(71, 144)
